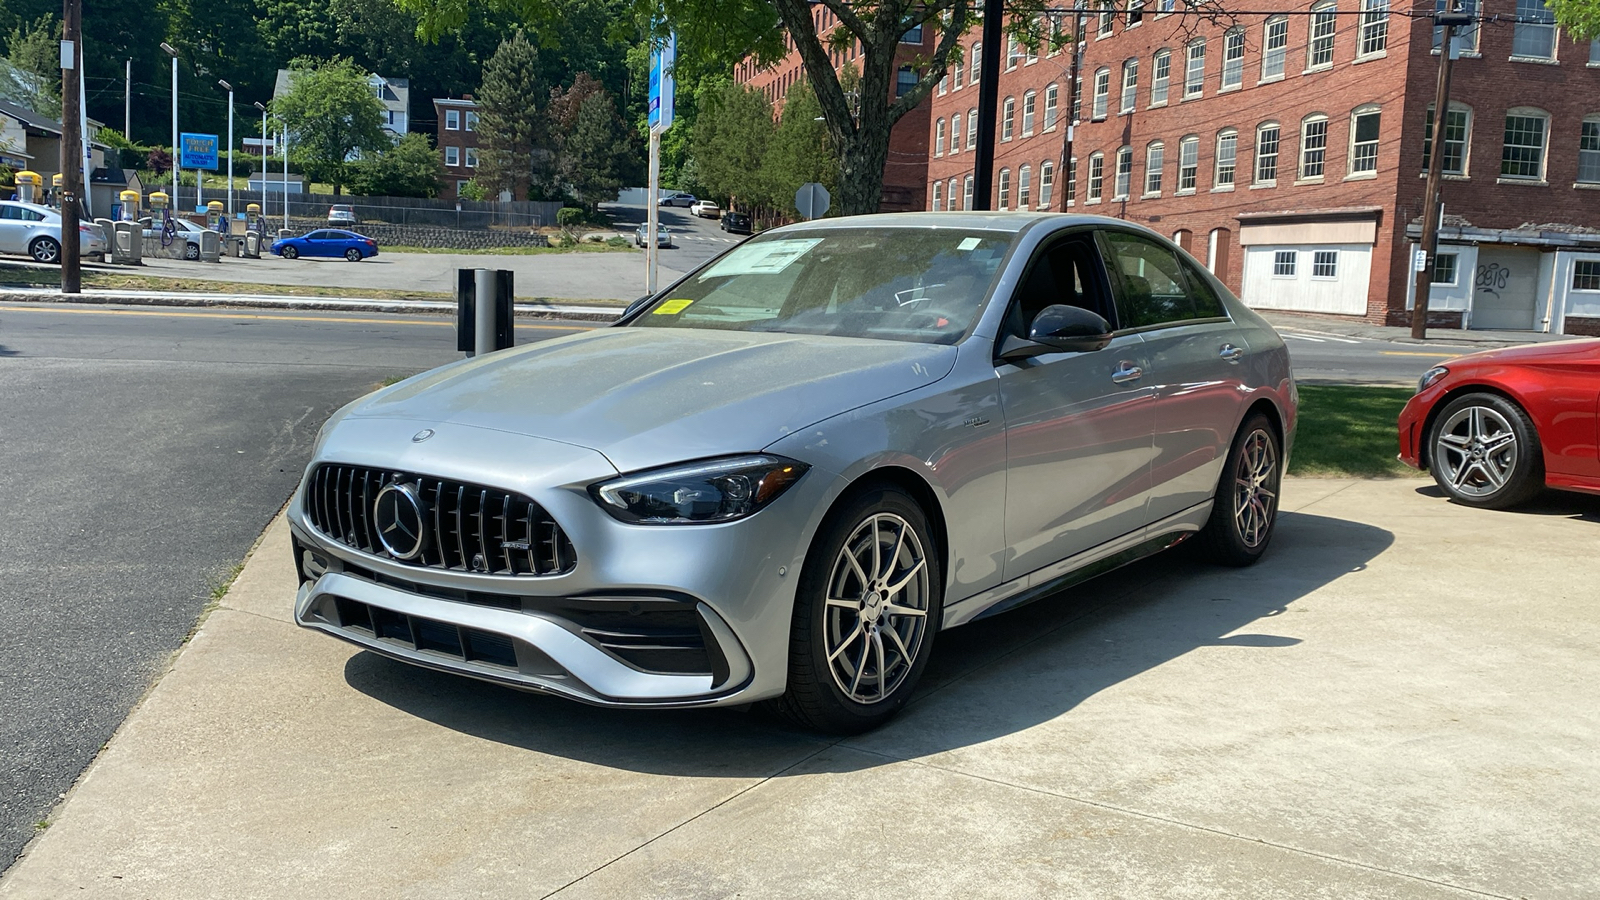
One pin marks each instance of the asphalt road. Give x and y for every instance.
(1321, 358)
(141, 451)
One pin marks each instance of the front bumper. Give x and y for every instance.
(1412, 424)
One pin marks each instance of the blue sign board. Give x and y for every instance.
(197, 151)
(663, 86)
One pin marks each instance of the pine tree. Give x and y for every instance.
(592, 153)
(510, 123)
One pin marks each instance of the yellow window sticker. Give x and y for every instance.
(672, 307)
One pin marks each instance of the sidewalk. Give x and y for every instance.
(1397, 702)
(280, 301)
(1346, 326)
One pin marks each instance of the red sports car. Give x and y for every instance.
(1497, 427)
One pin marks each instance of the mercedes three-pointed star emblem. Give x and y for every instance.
(402, 520)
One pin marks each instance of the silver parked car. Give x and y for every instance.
(35, 230)
(780, 477)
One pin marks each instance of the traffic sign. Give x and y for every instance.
(197, 151)
(812, 200)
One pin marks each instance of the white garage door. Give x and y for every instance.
(1330, 278)
(1505, 288)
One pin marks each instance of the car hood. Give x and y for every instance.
(651, 396)
(1550, 353)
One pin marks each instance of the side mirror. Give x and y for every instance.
(1059, 329)
(634, 307)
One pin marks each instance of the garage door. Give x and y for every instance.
(1329, 278)
(1505, 288)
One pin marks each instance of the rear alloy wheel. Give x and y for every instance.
(869, 601)
(1484, 452)
(291, 253)
(353, 255)
(191, 251)
(45, 250)
(1244, 513)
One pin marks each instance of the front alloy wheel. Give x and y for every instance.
(1485, 452)
(867, 607)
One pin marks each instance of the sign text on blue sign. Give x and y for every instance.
(197, 151)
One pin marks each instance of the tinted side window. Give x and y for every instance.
(11, 212)
(1152, 288)
(1206, 303)
(318, 236)
(1066, 273)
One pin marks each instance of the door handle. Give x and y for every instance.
(1231, 353)
(1126, 372)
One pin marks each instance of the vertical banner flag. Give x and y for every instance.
(663, 86)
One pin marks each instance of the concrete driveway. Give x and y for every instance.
(1398, 702)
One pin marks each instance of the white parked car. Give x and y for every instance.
(33, 230)
(184, 231)
(705, 209)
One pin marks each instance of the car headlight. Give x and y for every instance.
(699, 493)
(1430, 376)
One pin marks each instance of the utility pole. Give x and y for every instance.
(988, 105)
(1427, 253)
(71, 142)
(1072, 95)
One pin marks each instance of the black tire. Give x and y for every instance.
(353, 255)
(291, 253)
(1484, 451)
(1244, 513)
(45, 250)
(817, 696)
(191, 252)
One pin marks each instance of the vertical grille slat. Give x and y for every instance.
(471, 525)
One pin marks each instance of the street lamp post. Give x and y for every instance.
(175, 157)
(229, 88)
(263, 109)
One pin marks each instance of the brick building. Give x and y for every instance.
(1286, 152)
(905, 176)
(457, 142)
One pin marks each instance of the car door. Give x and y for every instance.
(12, 229)
(1193, 351)
(1078, 425)
(316, 244)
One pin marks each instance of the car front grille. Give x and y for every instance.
(466, 527)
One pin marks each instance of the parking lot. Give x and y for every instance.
(1398, 702)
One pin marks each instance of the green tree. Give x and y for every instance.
(800, 151)
(510, 123)
(34, 50)
(1581, 18)
(590, 156)
(730, 142)
(332, 114)
(411, 168)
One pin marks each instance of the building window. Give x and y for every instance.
(1188, 163)
(452, 120)
(1227, 157)
(1319, 51)
(452, 155)
(1589, 151)
(938, 196)
(1233, 58)
(1364, 130)
(1456, 125)
(1108, 13)
(1051, 93)
(1102, 93)
(1097, 176)
(1194, 74)
(472, 157)
(905, 79)
(1008, 111)
(1374, 31)
(1077, 102)
(1313, 146)
(977, 62)
(1267, 153)
(957, 73)
(1594, 52)
(461, 185)
(955, 134)
(1586, 275)
(1029, 101)
(1130, 86)
(1522, 155)
(1024, 187)
(1004, 181)
(972, 128)
(913, 35)
(1047, 178)
(1283, 263)
(1160, 77)
(966, 193)
(938, 138)
(1325, 264)
(1013, 53)
(1135, 12)
(1534, 34)
(1274, 46)
(1444, 269)
(1154, 161)
(1072, 181)
(951, 195)
(472, 121)
(1124, 174)
(1465, 39)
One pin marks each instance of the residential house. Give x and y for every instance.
(457, 142)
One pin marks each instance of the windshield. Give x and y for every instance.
(924, 284)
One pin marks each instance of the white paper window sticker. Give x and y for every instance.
(764, 258)
(970, 243)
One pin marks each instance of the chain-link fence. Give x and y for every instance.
(465, 214)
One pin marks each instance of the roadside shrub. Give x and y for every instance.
(616, 240)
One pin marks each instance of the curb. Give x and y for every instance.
(325, 304)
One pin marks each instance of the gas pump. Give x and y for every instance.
(29, 186)
(127, 234)
(160, 210)
(129, 211)
(255, 231)
(56, 181)
(216, 218)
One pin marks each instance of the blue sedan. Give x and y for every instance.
(327, 242)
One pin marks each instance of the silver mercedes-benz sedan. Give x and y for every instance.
(782, 476)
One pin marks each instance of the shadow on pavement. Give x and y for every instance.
(1012, 672)
(1566, 504)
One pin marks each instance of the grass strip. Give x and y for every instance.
(1347, 430)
